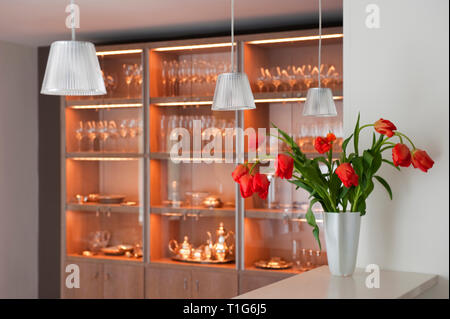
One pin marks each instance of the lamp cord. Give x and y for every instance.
(232, 36)
(73, 20)
(320, 40)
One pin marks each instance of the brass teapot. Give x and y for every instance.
(221, 248)
(182, 250)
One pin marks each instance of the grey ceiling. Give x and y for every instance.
(39, 22)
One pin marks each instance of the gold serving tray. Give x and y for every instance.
(270, 264)
(203, 261)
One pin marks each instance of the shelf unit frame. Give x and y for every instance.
(144, 102)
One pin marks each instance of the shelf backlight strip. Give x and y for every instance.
(103, 158)
(298, 39)
(194, 47)
(117, 52)
(104, 106)
(275, 100)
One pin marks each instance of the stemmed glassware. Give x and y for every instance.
(195, 76)
(129, 73)
(92, 134)
(278, 79)
(80, 133)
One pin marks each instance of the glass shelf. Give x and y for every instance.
(97, 207)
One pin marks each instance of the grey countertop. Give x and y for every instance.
(320, 284)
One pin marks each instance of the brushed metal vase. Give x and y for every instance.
(342, 237)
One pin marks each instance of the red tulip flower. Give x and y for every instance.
(261, 185)
(239, 171)
(331, 137)
(401, 155)
(421, 160)
(385, 127)
(284, 166)
(322, 144)
(347, 175)
(246, 185)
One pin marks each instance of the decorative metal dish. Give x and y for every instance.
(111, 199)
(273, 263)
(204, 261)
(113, 251)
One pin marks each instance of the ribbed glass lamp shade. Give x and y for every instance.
(319, 102)
(73, 69)
(233, 93)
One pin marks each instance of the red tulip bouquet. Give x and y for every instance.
(348, 181)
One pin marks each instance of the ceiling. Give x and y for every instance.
(39, 22)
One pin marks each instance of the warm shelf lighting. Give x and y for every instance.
(103, 158)
(274, 100)
(289, 99)
(115, 52)
(297, 39)
(194, 47)
(183, 103)
(104, 106)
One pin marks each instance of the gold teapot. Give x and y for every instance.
(221, 248)
(182, 250)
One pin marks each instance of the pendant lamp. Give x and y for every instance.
(319, 101)
(73, 69)
(233, 92)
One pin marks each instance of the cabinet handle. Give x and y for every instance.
(185, 284)
(96, 275)
(107, 276)
(197, 285)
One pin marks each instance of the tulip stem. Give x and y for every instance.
(399, 134)
(253, 166)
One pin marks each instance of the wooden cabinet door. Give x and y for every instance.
(123, 281)
(167, 283)
(249, 282)
(207, 284)
(91, 282)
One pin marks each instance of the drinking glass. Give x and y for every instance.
(132, 134)
(276, 78)
(113, 135)
(92, 134)
(110, 80)
(164, 78)
(123, 133)
(103, 134)
(138, 77)
(296, 257)
(80, 133)
(128, 70)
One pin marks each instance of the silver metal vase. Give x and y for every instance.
(342, 237)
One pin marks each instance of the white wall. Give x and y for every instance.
(400, 72)
(18, 172)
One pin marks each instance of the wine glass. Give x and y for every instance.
(123, 132)
(92, 134)
(132, 133)
(173, 76)
(138, 77)
(80, 133)
(128, 70)
(276, 78)
(113, 134)
(110, 80)
(103, 134)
